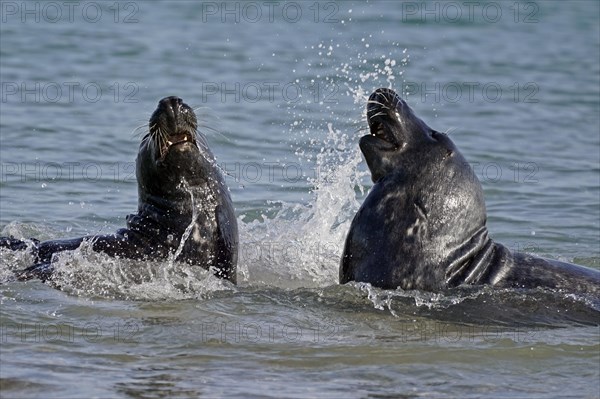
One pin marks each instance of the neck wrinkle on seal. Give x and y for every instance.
(471, 260)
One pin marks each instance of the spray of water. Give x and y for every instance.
(302, 244)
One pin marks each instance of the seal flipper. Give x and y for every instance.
(46, 249)
(42, 251)
(113, 245)
(15, 244)
(42, 271)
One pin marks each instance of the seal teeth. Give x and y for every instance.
(379, 132)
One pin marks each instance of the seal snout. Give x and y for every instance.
(173, 122)
(170, 109)
(384, 101)
(171, 105)
(384, 114)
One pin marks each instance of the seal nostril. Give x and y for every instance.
(176, 102)
(170, 110)
(168, 100)
(176, 105)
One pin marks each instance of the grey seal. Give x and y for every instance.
(184, 207)
(423, 224)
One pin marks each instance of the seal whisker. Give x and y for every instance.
(450, 130)
(223, 171)
(378, 103)
(202, 125)
(212, 129)
(162, 141)
(140, 130)
(392, 97)
(378, 114)
(361, 129)
(200, 107)
(154, 131)
(211, 113)
(201, 143)
(397, 100)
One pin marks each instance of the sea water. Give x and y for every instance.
(280, 91)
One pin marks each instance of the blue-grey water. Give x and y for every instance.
(280, 89)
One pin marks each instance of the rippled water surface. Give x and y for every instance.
(280, 89)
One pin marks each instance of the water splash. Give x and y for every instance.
(302, 244)
(13, 261)
(88, 273)
(485, 305)
(188, 230)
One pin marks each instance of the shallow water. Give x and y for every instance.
(282, 106)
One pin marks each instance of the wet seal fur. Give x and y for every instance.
(181, 194)
(423, 224)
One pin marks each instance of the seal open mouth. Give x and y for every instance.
(181, 138)
(173, 123)
(393, 130)
(379, 130)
